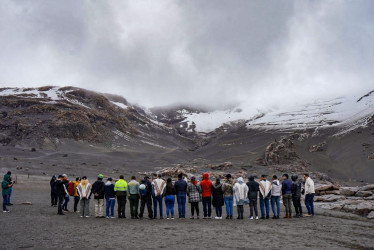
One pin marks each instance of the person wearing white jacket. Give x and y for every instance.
(158, 186)
(309, 195)
(240, 191)
(265, 188)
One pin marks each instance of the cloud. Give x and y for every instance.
(198, 52)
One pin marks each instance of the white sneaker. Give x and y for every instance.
(172, 218)
(107, 217)
(167, 218)
(217, 218)
(220, 218)
(6, 211)
(81, 216)
(112, 217)
(251, 218)
(87, 216)
(256, 217)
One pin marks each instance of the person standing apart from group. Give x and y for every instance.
(206, 189)
(6, 189)
(133, 189)
(309, 195)
(158, 193)
(181, 192)
(84, 191)
(227, 189)
(265, 193)
(120, 190)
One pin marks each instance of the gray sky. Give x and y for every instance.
(202, 52)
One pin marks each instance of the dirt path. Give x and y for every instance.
(38, 226)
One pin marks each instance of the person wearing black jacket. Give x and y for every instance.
(253, 189)
(218, 201)
(98, 189)
(54, 197)
(61, 193)
(296, 196)
(181, 191)
(146, 198)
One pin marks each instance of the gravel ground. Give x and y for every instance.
(38, 226)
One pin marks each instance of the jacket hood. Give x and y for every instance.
(108, 183)
(276, 182)
(229, 181)
(240, 180)
(6, 177)
(205, 176)
(216, 185)
(294, 177)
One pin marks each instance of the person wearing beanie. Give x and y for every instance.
(287, 195)
(110, 198)
(98, 189)
(134, 196)
(180, 187)
(218, 201)
(228, 196)
(296, 196)
(206, 189)
(194, 196)
(253, 190)
(84, 190)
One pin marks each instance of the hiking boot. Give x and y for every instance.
(286, 216)
(230, 217)
(289, 216)
(227, 217)
(274, 217)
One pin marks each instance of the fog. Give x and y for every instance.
(212, 53)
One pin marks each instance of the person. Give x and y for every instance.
(276, 192)
(218, 201)
(110, 199)
(240, 191)
(206, 190)
(76, 195)
(52, 183)
(227, 194)
(265, 188)
(158, 187)
(133, 188)
(253, 189)
(194, 196)
(98, 189)
(61, 193)
(145, 190)
(296, 196)
(84, 190)
(169, 199)
(5, 186)
(287, 195)
(181, 191)
(11, 188)
(120, 190)
(65, 181)
(309, 195)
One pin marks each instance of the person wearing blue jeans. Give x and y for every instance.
(309, 203)
(228, 196)
(10, 189)
(276, 192)
(158, 190)
(110, 198)
(180, 187)
(309, 195)
(275, 200)
(265, 189)
(207, 207)
(169, 199)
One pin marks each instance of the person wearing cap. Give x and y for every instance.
(76, 195)
(65, 181)
(309, 195)
(228, 195)
(146, 197)
(110, 198)
(54, 197)
(296, 196)
(265, 188)
(180, 187)
(287, 195)
(133, 187)
(98, 189)
(194, 196)
(276, 192)
(84, 190)
(253, 189)
(158, 188)
(206, 190)
(120, 189)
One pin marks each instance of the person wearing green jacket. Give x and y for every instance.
(5, 185)
(120, 190)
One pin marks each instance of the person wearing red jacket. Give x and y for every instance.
(206, 187)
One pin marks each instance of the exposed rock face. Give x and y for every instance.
(371, 215)
(371, 157)
(349, 191)
(364, 193)
(222, 166)
(318, 147)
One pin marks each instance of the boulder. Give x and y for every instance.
(371, 215)
(318, 147)
(367, 187)
(336, 192)
(222, 166)
(329, 198)
(364, 193)
(348, 191)
(371, 157)
(361, 207)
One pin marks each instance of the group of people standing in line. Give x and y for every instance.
(218, 193)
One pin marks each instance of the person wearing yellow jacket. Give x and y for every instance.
(76, 194)
(120, 190)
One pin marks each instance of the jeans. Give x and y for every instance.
(121, 206)
(85, 207)
(54, 198)
(99, 207)
(5, 201)
(169, 203)
(146, 200)
(76, 201)
(275, 200)
(65, 206)
(229, 205)
(297, 205)
(207, 206)
(240, 209)
(10, 194)
(110, 203)
(155, 200)
(253, 206)
(264, 203)
(219, 211)
(181, 198)
(60, 203)
(287, 198)
(134, 204)
(195, 207)
(309, 203)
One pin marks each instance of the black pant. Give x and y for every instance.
(61, 199)
(240, 211)
(146, 200)
(121, 206)
(195, 207)
(207, 206)
(76, 201)
(297, 204)
(53, 199)
(134, 204)
(253, 206)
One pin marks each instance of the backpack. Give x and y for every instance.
(144, 192)
(71, 189)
